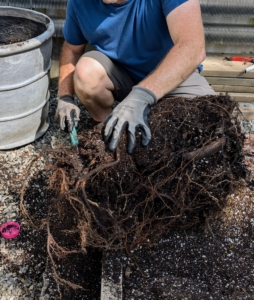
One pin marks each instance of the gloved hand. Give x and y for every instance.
(132, 113)
(67, 113)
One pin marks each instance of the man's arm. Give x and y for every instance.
(186, 30)
(68, 59)
(67, 113)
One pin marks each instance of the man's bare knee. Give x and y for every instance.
(90, 78)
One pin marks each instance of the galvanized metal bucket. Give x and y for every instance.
(24, 82)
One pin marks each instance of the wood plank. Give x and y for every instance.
(230, 81)
(216, 65)
(241, 97)
(111, 286)
(233, 88)
(247, 110)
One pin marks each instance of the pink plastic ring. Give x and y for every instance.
(10, 230)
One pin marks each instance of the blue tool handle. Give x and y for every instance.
(74, 137)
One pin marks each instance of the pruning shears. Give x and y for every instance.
(74, 137)
(242, 59)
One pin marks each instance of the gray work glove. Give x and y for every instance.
(67, 113)
(131, 114)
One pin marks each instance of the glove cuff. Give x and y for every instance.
(152, 99)
(66, 98)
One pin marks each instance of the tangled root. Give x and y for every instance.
(119, 201)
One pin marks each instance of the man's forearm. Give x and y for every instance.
(176, 67)
(185, 56)
(67, 63)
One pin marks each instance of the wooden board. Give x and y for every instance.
(233, 88)
(247, 110)
(216, 65)
(111, 288)
(229, 76)
(230, 81)
(241, 97)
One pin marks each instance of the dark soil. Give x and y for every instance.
(194, 264)
(16, 29)
(213, 260)
(101, 200)
(82, 267)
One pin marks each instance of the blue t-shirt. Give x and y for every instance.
(133, 33)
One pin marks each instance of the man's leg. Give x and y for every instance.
(195, 85)
(98, 81)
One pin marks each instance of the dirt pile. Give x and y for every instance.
(119, 201)
(193, 162)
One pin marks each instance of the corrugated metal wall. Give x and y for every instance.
(229, 24)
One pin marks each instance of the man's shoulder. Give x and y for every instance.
(170, 5)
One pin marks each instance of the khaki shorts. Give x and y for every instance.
(195, 85)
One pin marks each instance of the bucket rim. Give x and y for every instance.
(30, 44)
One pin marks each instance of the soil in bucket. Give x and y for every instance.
(16, 29)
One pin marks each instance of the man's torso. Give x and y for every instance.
(133, 33)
